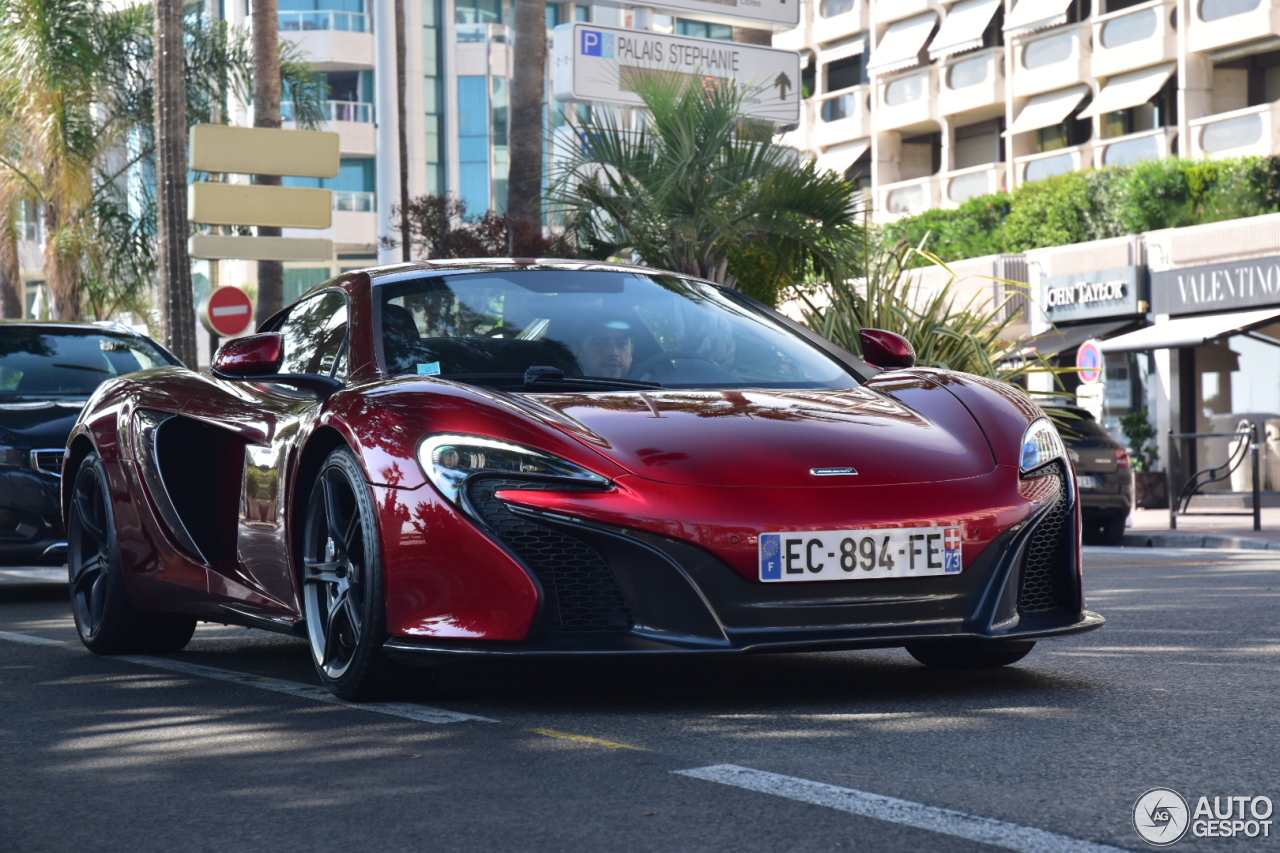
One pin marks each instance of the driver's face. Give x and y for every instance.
(606, 352)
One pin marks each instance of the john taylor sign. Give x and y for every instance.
(604, 64)
(1092, 295)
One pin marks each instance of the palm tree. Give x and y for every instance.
(266, 113)
(704, 191)
(528, 98)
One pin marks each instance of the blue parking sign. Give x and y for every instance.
(596, 43)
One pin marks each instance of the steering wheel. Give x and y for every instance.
(672, 355)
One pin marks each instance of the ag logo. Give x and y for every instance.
(1161, 817)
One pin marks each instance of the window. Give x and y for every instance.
(1048, 167)
(1129, 28)
(1216, 10)
(844, 73)
(1048, 51)
(701, 29)
(314, 332)
(831, 8)
(904, 90)
(969, 72)
(36, 361)
(979, 144)
(478, 12)
(1232, 133)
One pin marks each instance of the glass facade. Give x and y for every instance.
(433, 94)
(473, 142)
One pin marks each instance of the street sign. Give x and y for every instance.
(264, 151)
(256, 204)
(1089, 361)
(226, 311)
(218, 247)
(785, 14)
(603, 64)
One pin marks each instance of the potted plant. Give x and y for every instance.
(1150, 490)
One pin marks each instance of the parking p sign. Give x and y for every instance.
(596, 43)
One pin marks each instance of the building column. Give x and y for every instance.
(387, 185)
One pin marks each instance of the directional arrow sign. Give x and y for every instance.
(603, 64)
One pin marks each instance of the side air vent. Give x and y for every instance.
(48, 461)
(1046, 566)
(581, 593)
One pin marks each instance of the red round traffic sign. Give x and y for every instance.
(226, 311)
(1089, 360)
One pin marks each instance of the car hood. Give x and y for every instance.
(38, 423)
(777, 438)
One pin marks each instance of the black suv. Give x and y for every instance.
(47, 372)
(1103, 471)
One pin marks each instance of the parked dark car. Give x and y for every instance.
(1103, 471)
(47, 373)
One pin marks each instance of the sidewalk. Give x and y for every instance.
(1151, 530)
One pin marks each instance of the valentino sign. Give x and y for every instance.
(1243, 284)
(1105, 293)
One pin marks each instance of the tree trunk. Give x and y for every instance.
(11, 291)
(266, 113)
(177, 313)
(402, 132)
(61, 276)
(528, 97)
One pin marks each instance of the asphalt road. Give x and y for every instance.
(1178, 690)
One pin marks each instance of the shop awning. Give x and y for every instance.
(1031, 15)
(1191, 331)
(838, 158)
(1067, 338)
(1048, 109)
(1129, 90)
(963, 27)
(842, 49)
(900, 48)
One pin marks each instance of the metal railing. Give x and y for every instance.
(360, 202)
(324, 19)
(334, 111)
(1180, 495)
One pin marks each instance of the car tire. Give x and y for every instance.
(971, 654)
(342, 590)
(105, 619)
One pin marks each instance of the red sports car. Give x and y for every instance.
(433, 460)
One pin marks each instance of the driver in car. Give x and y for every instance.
(606, 349)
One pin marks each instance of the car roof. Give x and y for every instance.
(398, 271)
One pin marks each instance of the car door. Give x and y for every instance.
(315, 339)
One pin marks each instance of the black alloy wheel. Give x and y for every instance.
(105, 619)
(971, 654)
(342, 582)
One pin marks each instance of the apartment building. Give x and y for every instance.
(932, 102)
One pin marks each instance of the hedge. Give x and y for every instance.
(1093, 205)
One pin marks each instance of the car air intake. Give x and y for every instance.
(1046, 566)
(580, 592)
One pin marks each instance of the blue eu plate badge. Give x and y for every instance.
(770, 557)
(951, 550)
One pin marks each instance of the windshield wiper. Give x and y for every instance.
(541, 376)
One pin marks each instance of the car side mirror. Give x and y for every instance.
(886, 349)
(259, 357)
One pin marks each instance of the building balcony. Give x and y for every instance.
(1134, 38)
(1217, 24)
(796, 39)
(333, 41)
(1035, 167)
(841, 116)
(896, 10)
(1045, 61)
(907, 101)
(963, 184)
(835, 19)
(973, 82)
(1239, 133)
(907, 198)
(350, 228)
(1135, 147)
(352, 121)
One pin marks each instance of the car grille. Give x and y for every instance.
(581, 593)
(48, 461)
(1047, 561)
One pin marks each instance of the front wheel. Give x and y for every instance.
(342, 582)
(105, 620)
(971, 654)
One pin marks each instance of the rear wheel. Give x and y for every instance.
(106, 621)
(342, 582)
(971, 654)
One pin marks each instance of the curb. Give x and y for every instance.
(1174, 539)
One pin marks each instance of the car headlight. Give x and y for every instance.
(1041, 445)
(448, 460)
(11, 457)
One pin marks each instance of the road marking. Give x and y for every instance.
(917, 815)
(584, 739)
(408, 711)
(28, 640)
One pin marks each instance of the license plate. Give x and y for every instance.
(1087, 481)
(830, 555)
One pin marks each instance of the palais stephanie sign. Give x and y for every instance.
(1092, 295)
(1217, 287)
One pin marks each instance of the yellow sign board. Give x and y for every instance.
(264, 151)
(253, 204)
(217, 247)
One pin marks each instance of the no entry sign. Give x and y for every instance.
(1089, 360)
(226, 311)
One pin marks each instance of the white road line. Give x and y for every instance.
(27, 639)
(945, 821)
(408, 711)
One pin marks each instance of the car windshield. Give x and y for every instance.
(624, 329)
(43, 361)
